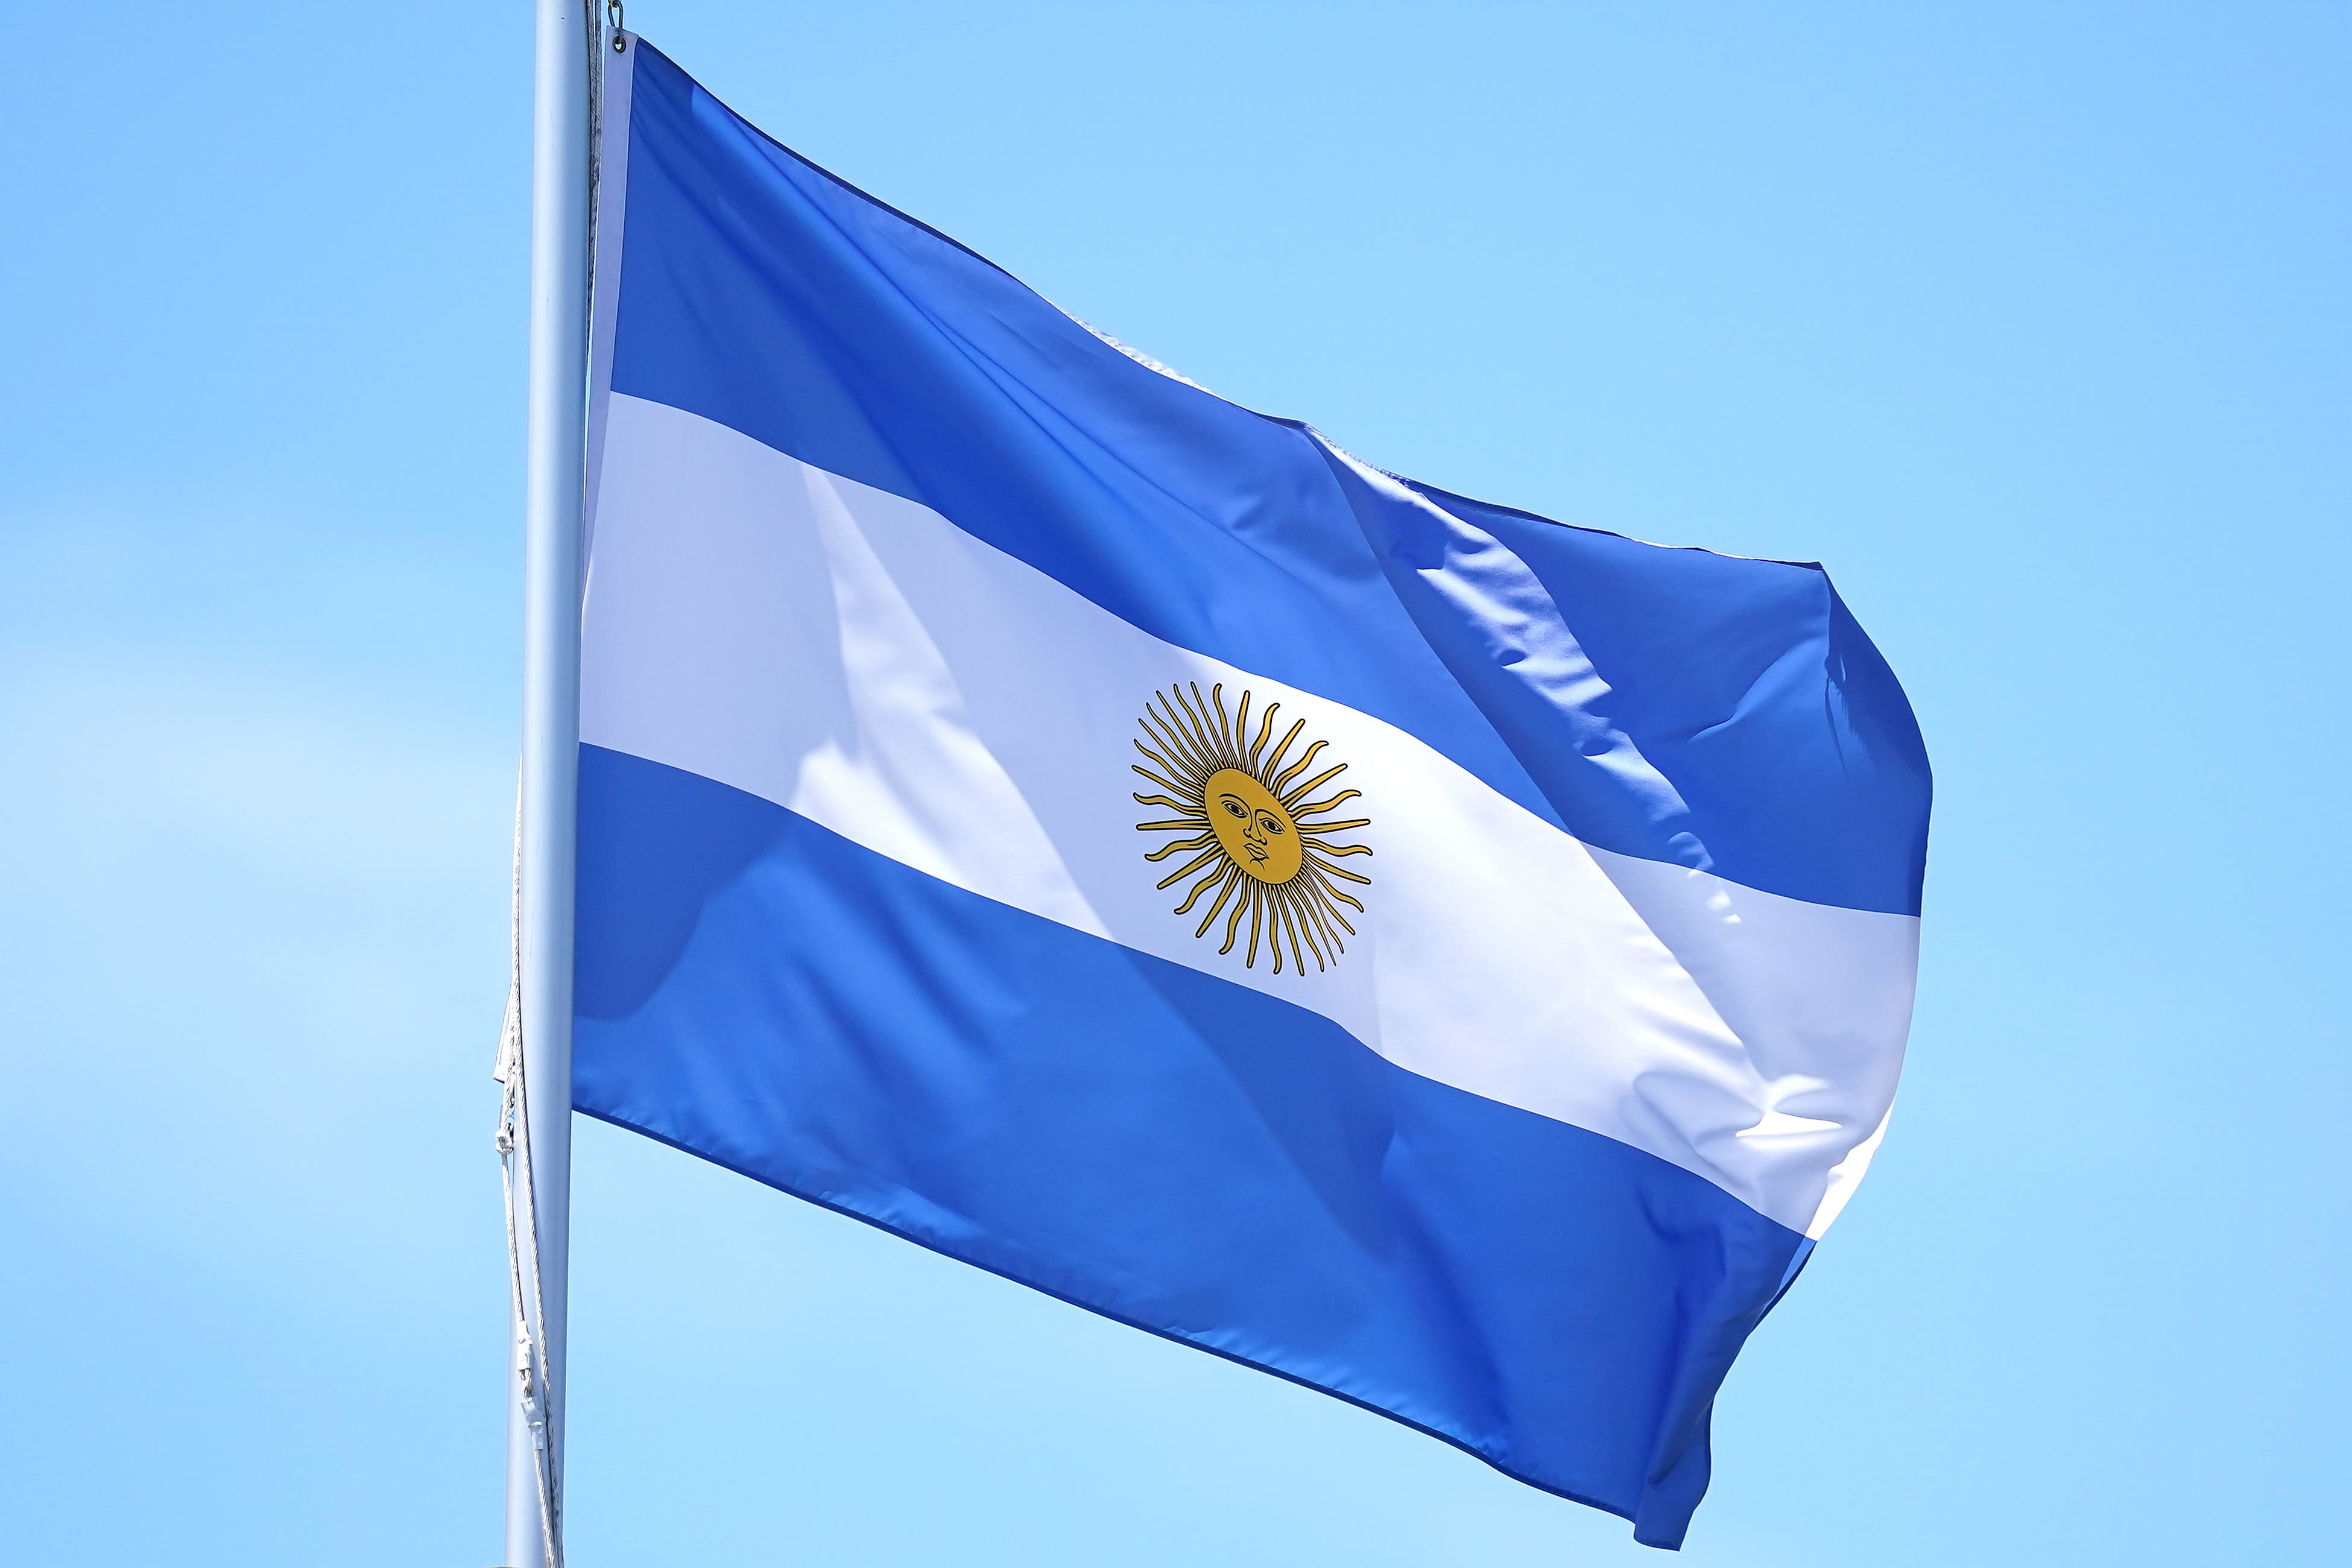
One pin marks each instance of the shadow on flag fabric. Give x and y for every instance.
(1450, 959)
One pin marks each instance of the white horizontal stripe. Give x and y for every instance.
(856, 657)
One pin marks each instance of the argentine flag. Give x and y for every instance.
(1445, 958)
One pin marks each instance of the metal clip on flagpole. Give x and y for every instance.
(535, 1134)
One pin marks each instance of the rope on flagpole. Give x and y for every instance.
(513, 1143)
(535, 1041)
(612, 24)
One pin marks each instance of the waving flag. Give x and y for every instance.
(1449, 959)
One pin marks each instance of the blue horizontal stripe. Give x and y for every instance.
(1155, 1144)
(1726, 714)
(1671, 704)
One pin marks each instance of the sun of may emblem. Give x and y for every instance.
(1259, 844)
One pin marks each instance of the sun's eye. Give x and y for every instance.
(1233, 808)
(1268, 823)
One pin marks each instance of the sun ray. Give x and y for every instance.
(1180, 822)
(1155, 778)
(1157, 757)
(1280, 782)
(1216, 874)
(1322, 922)
(1209, 727)
(1206, 840)
(1330, 908)
(1302, 924)
(1212, 853)
(1166, 763)
(1295, 923)
(1331, 870)
(1327, 803)
(1242, 735)
(1322, 777)
(1224, 891)
(1194, 769)
(1288, 735)
(1171, 805)
(1257, 914)
(1232, 751)
(1344, 896)
(1233, 921)
(1180, 712)
(1265, 733)
(1328, 896)
(1310, 921)
(1162, 709)
(1173, 733)
(1203, 724)
(1316, 942)
(1178, 768)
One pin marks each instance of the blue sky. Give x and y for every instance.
(2030, 321)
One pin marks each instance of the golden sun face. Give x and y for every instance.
(1257, 844)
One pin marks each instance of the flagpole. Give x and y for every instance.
(553, 483)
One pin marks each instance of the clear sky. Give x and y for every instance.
(2031, 321)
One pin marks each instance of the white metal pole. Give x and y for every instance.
(552, 507)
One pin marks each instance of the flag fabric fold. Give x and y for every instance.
(1450, 959)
